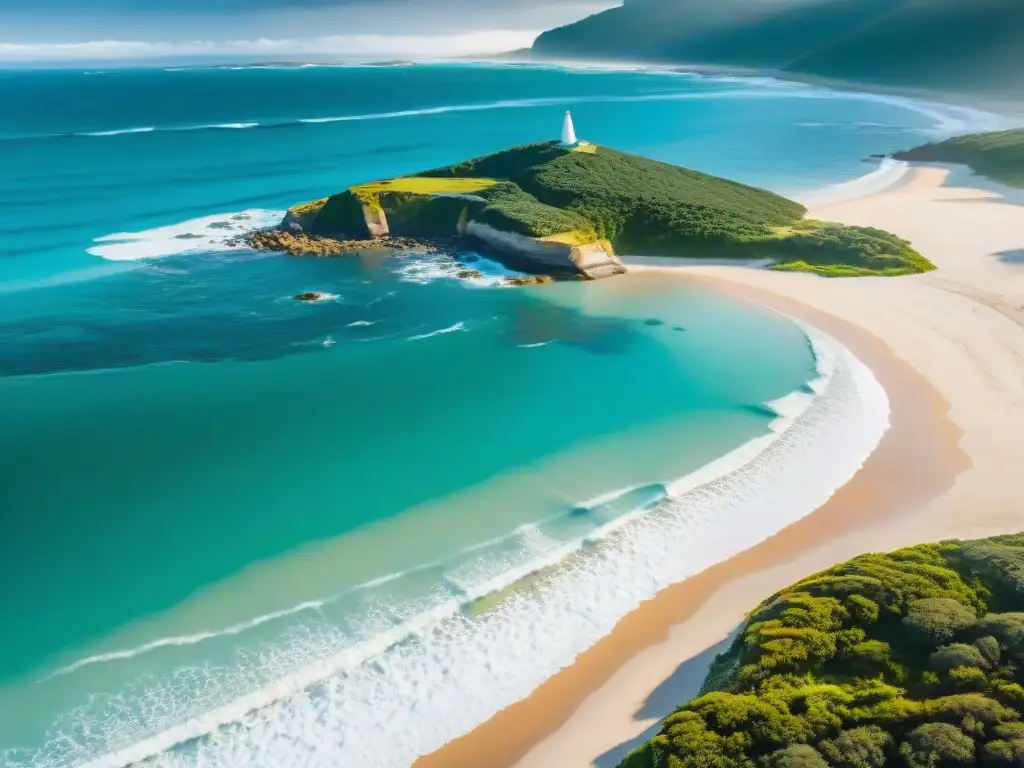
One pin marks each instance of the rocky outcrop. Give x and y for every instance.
(592, 260)
(301, 244)
(529, 280)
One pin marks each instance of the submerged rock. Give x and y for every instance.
(309, 296)
(529, 280)
(302, 244)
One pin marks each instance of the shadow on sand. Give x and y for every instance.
(1012, 257)
(678, 688)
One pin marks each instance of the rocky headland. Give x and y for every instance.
(562, 211)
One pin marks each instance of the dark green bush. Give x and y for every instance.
(796, 756)
(934, 620)
(857, 748)
(957, 655)
(829, 664)
(937, 745)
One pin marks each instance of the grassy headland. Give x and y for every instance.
(913, 658)
(998, 155)
(641, 206)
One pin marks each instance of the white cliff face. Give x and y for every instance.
(568, 131)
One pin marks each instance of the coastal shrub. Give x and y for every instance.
(989, 649)
(796, 756)
(957, 655)
(879, 661)
(863, 609)
(510, 208)
(934, 620)
(973, 706)
(1001, 563)
(937, 745)
(968, 679)
(863, 747)
(1003, 752)
(1008, 629)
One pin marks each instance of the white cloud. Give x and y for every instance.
(343, 46)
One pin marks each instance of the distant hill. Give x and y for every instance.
(998, 155)
(949, 45)
(912, 659)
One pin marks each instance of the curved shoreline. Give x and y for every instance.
(952, 366)
(844, 395)
(515, 736)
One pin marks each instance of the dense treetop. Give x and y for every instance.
(913, 658)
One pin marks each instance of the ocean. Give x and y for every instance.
(240, 529)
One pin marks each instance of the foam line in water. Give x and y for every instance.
(182, 640)
(120, 132)
(948, 119)
(382, 701)
(459, 326)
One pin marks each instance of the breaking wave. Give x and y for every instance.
(413, 676)
(888, 174)
(948, 119)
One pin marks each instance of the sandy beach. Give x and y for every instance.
(947, 346)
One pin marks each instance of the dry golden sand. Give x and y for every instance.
(949, 349)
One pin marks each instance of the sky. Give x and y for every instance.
(59, 30)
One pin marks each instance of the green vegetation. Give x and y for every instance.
(998, 155)
(945, 45)
(420, 185)
(913, 658)
(641, 206)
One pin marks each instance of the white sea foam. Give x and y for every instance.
(459, 326)
(392, 691)
(182, 640)
(120, 132)
(948, 119)
(209, 233)
(888, 173)
(221, 126)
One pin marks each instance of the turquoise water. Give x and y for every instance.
(211, 491)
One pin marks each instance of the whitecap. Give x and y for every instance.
(119, 132)
(208, 233)
(459, 326)
(406, 688)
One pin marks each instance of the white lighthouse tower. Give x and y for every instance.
(568, 132)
